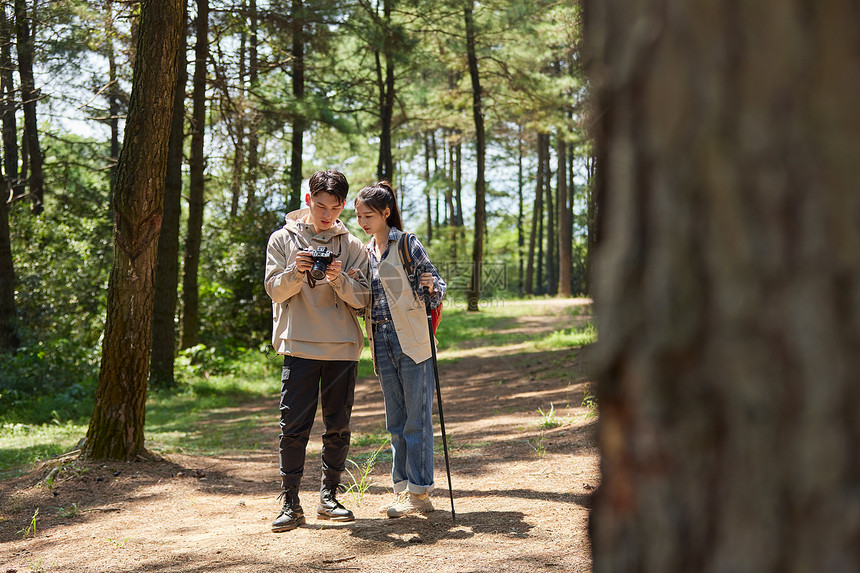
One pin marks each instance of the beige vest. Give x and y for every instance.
(407, 310)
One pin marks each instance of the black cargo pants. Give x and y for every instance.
(303, 382)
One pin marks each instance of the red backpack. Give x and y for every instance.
(409, 267)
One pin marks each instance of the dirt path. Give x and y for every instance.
(521, 492)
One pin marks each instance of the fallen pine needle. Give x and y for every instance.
(339, 559)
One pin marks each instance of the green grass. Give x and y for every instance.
(23, 444)
(491, 323)
(549, 419)
(569, 338)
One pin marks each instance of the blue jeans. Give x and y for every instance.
(408, 391)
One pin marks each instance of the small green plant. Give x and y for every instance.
(539, 446)
(30, 530)
(589, 400)
(549, 419)
(119, 544)
(51, 478)
(361, 478)
(68, 512)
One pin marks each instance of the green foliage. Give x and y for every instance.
(570, 338)
(68, 511)
(23, 444)
(549, 419)
(62, 261)
(51, 381)
(494, 326)
(360, 478)
(29, 530)
(589, 400)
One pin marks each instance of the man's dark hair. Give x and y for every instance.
(330, 181)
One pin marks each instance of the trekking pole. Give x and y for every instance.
(439, 398)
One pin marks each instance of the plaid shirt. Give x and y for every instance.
(379, 311)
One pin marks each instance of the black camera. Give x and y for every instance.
(322, 258)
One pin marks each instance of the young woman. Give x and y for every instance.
(400, 344)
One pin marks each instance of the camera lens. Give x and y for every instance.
(318, 269)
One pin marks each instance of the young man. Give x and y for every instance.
(315, 328)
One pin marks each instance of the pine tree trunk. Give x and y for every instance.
(728, 286)
(116, 426)
(474, 292)
(449, 203)
(7, 93)
(113, 90)
(564, 223)
(30, 96)
(551, 237)
(161, 373)
(534, 239)
(9, 340)
(253, 139)
(592, 219)
(238, 167)
(237, 179)
(294, 200)
(521, 239)
(427, 198)
(197, 174)
(385, 85)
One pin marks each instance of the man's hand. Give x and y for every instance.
(304, 261)
(427, 281)
(333, 269)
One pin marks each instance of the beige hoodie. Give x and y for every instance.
(320, 322)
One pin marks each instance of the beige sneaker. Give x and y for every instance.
(398, 498)
(408, 502)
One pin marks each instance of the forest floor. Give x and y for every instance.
(522, 485)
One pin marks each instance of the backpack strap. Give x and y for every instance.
(406, 254)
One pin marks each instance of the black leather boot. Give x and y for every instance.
(292, 515)
(329, 507)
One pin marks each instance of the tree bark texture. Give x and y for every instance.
(294, 201)
(385, 85)
(113, 90)
(521, 240)
(537, 210)
(253, 138)
(728, 286)
(7, 93)
(565, 229)
(196, 183)
(474, 292)
(427, 197)
(30, 95)
(161, 363)
(8, 310)
(9, 340)
(551, 236)
(116, 427)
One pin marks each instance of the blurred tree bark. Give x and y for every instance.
(116, 427)
(161, 363)
(564, 222)
(31, 169)
(9, 339)
(728, 285)
(196, 183)
(294, 200)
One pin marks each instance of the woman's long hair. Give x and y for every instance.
(378, 197)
